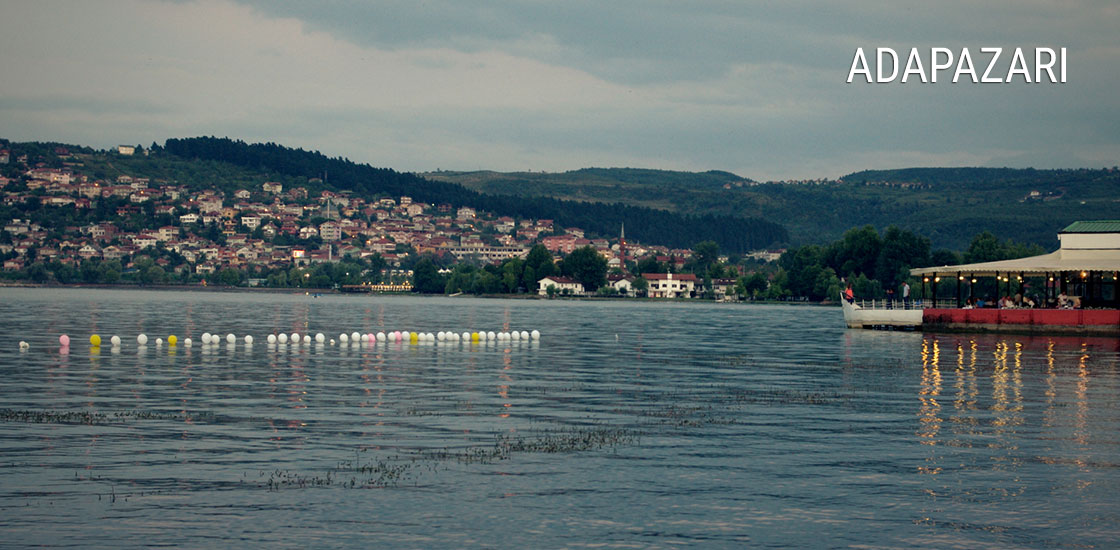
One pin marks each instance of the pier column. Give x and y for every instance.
(959, 277)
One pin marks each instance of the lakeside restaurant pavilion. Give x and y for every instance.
(1086, 268)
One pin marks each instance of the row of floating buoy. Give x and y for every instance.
(406, 336)
(296, 338)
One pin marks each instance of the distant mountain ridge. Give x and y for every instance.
(949, 205)
(679, 209)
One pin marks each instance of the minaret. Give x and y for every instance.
(622, 246)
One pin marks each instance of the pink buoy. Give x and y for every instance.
(64, 340)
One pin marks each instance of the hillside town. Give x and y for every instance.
(195, 235)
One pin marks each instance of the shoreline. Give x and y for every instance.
(334, 292)
(189, 288)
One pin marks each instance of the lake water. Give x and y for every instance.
(627, 425)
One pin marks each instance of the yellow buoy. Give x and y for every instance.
(474, 337)
(95, 340)
(172, 340)
(413, 337)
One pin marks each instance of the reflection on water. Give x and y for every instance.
(652, 425)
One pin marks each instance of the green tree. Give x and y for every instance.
(153, 275)
(587, 266)
(38, 272)
(64, 273)
(900, 250)
(640, 286)
(649, 264)
(511, 275)
(803, 266)
(753, 285)
(278, 279)
(488, 283)
(778, 289)
(944, 256)
(865, 288)
(706, 255)
(426, 278)
(538, 265)
(88, 271)
(376, 264)
(229, 277)
(827, 285)
(856, 252)
(109, 271)
(985, 247)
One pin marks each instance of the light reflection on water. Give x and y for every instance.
(628, 424)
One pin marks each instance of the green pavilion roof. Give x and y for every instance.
(1096, 226)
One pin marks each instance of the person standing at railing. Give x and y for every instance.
(905, 295)
(849, 295)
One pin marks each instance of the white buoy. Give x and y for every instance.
(524, 335)
(231, 338)
(249, 339)
(24, 345)
(306, 338)
(332, 341)
(159, 342)
(365, 338)
(271, 338)
(380, 336)
(466, 337)
(205, 337)
(187, 342)
(441, 336)
(536, 334)
(320, 338)
(142, 339)
(295, 337)
(355, 336)
(282, 338)
(115, 340)
(344, 338)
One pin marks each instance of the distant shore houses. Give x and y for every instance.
(268, 226)
(560, 285)
(660, 285)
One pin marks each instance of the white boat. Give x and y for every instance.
(881, 314)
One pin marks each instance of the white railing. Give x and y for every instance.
(917, 303)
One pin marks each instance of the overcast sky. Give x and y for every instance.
(755, 88)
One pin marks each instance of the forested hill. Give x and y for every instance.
(948, 205)
(734, 233)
